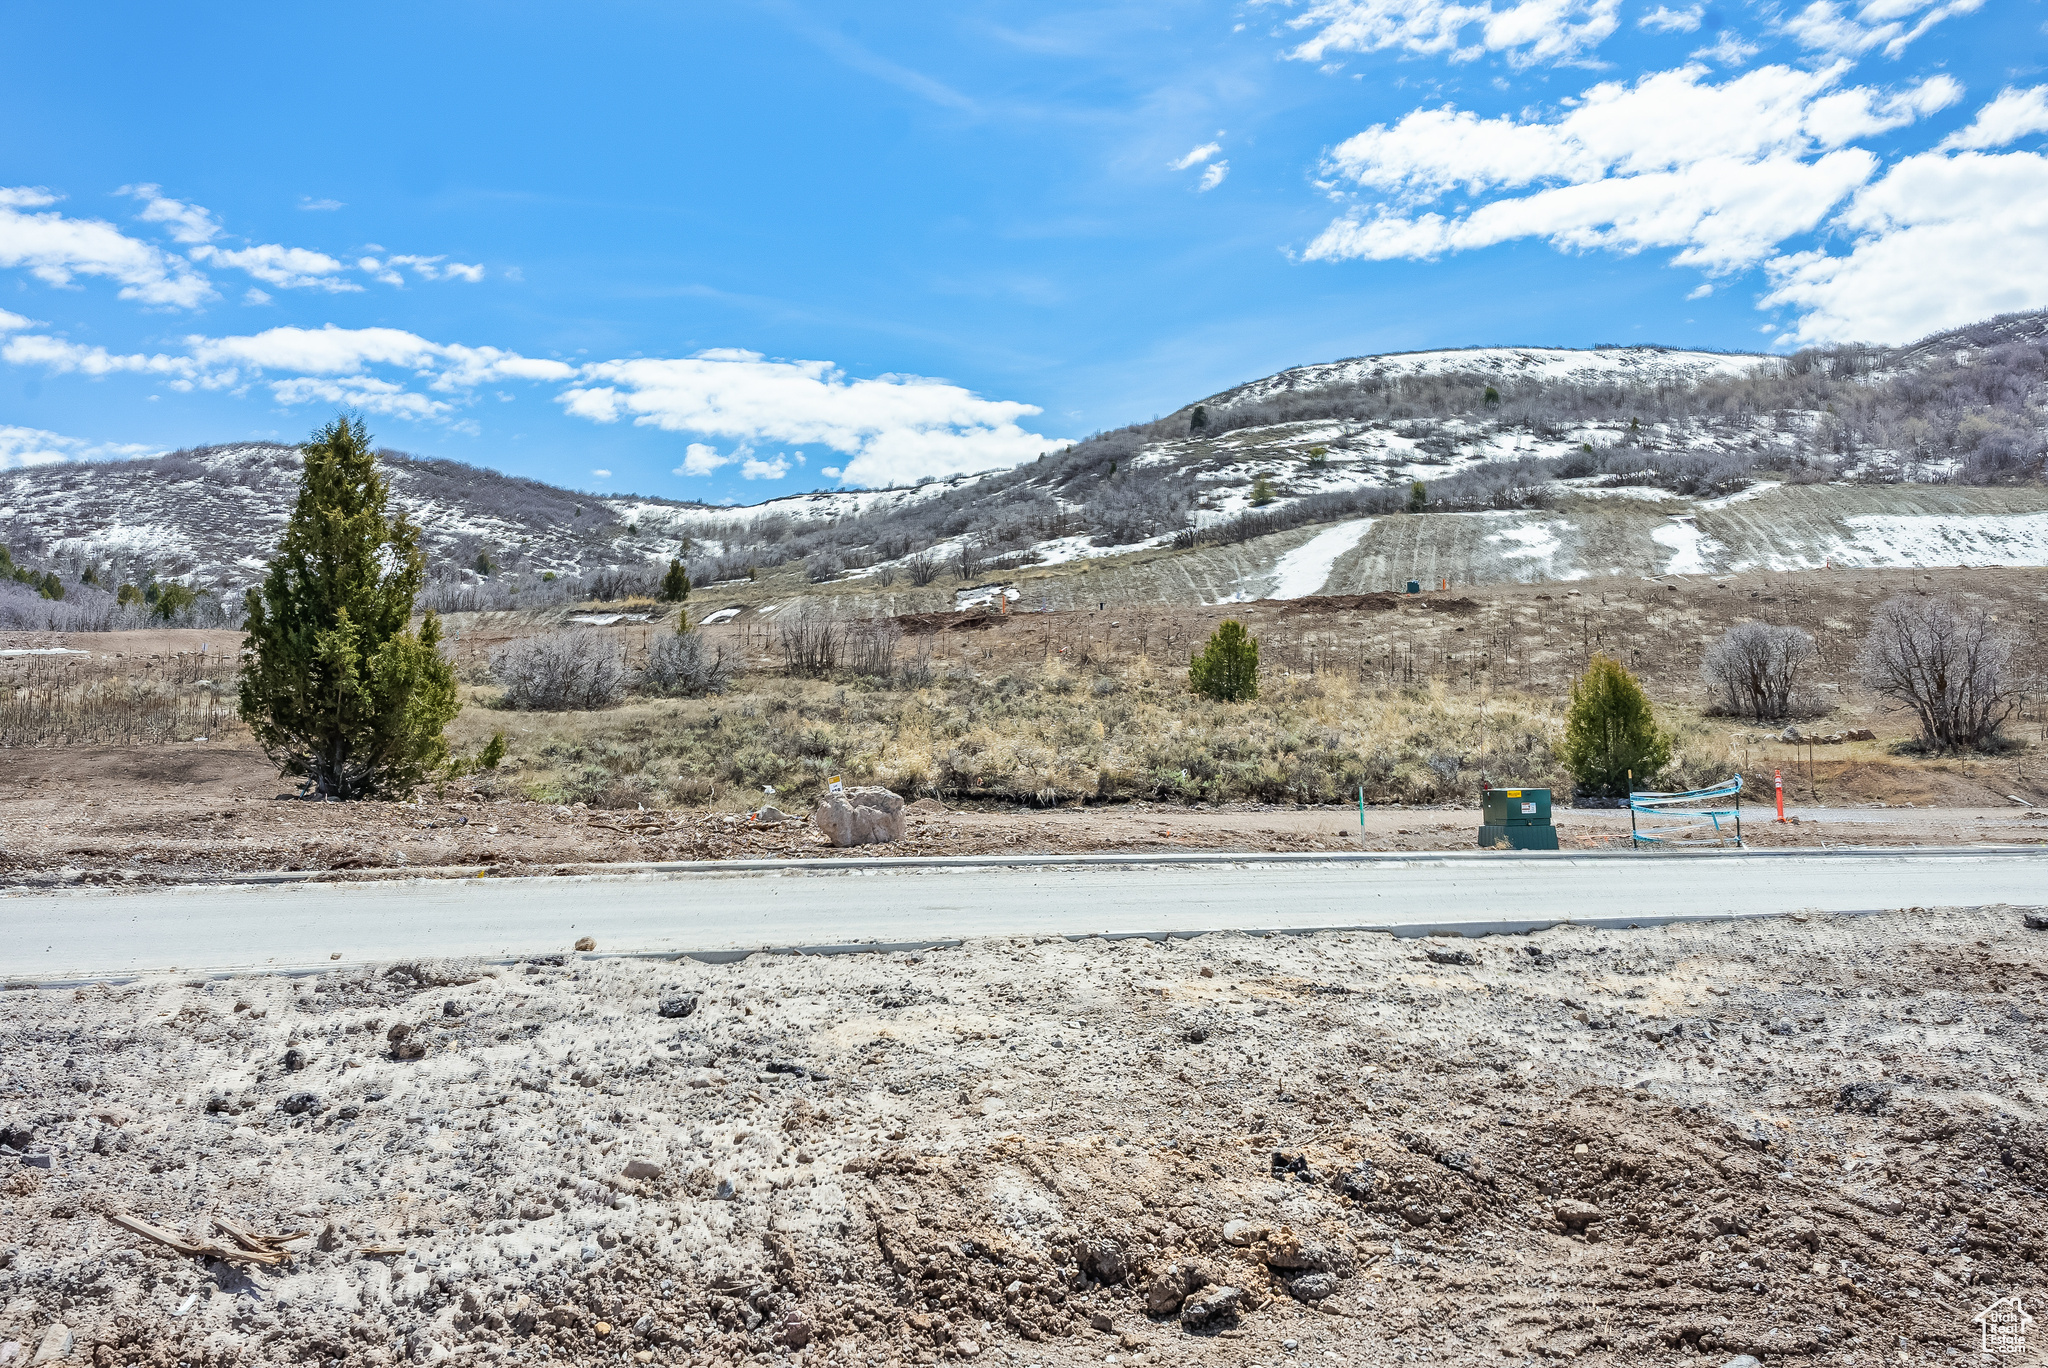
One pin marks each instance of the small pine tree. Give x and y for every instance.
(171, 600)
(1318, 457)
(1262, 492)
(334, 685)
(483, 563)
(51, 587)
(1227, 669)
(1418, 497)
(127, 594)
(1609, 731)
(1198, 421)
(1492, 395)
(492, 753)
(675, 585)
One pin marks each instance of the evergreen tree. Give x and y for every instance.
(675, 585)
(1198, 421)
(335, 687)
(1418, 497)
(1227, 669)
(1609, 730)
(1262, 492)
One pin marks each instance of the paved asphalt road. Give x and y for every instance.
(57, 937)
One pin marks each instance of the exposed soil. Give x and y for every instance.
(195, 812)
(1810, 1140)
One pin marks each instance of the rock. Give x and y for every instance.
(771, 815)
(1866, 1097)
(1791, 734)
(451, 1008)
(1438, 956)
(1212, 1306)
(299, 1103)
(1313, 1287)
(56, 1345)
(966, 1348)
(1100, 1321)
(403, 1045)
(1798, 1232)
(1104, 1259)
(294, 1060)
(640, 1171)
(795, 1331)
(1743, 1361)
(1360, 1184)
(2037, 921)
(1284, 1250)
(586, 943)
(861, 816)
(1576, 1213)
(679, 1005)
(1859, 734)
(17, 1137)
(1171, 1286)
(1242, 1233)
(1883, 1203)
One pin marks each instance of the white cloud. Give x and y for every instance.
(1941, 240)
(1722, 173)
(602, 474)
(55, 249)
(425, 267)
(699, 459)
(14, 322)
(187, 222)
(1525, 31)
(1198, 155)
(1663, 19)
(318, 206)
(1889, 24)
(286, 268)
(25, 446)
(1731, 49)
(896, 428)
(2015, 114)
(1213, 175)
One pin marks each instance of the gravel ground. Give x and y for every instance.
(1808, 1140)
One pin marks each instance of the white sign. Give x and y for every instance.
(834, 786)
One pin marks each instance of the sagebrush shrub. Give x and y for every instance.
(682, 666)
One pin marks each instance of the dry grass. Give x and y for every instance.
(86, 701)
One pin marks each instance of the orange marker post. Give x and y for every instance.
(1778, 783)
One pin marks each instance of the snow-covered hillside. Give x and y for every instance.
(1519, 457)
(1601, 365)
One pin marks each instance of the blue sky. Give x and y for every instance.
(733, 251)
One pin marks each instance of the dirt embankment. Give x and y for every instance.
(191, 813)
(1807, 1140)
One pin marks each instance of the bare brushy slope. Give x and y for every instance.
(1811, 1141)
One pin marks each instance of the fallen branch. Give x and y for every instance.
(200, 1249)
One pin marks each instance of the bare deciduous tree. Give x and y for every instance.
(560, 671)
(681, 664)
(871, 646)
(922, 568)
(1756, 668)
(1947, 662)
(810, 640)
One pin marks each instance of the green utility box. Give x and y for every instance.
(1518, 818)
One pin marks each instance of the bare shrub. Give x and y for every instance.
(967, 562)
(885, 576)
(823, 566)
(683, 666)
(560, 672)
(922, 568)
(1946, 662)
(1756, 668)
(871, 646)
(810, 641)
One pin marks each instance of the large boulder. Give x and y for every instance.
(860, 816)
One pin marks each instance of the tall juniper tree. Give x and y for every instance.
(334, 685)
